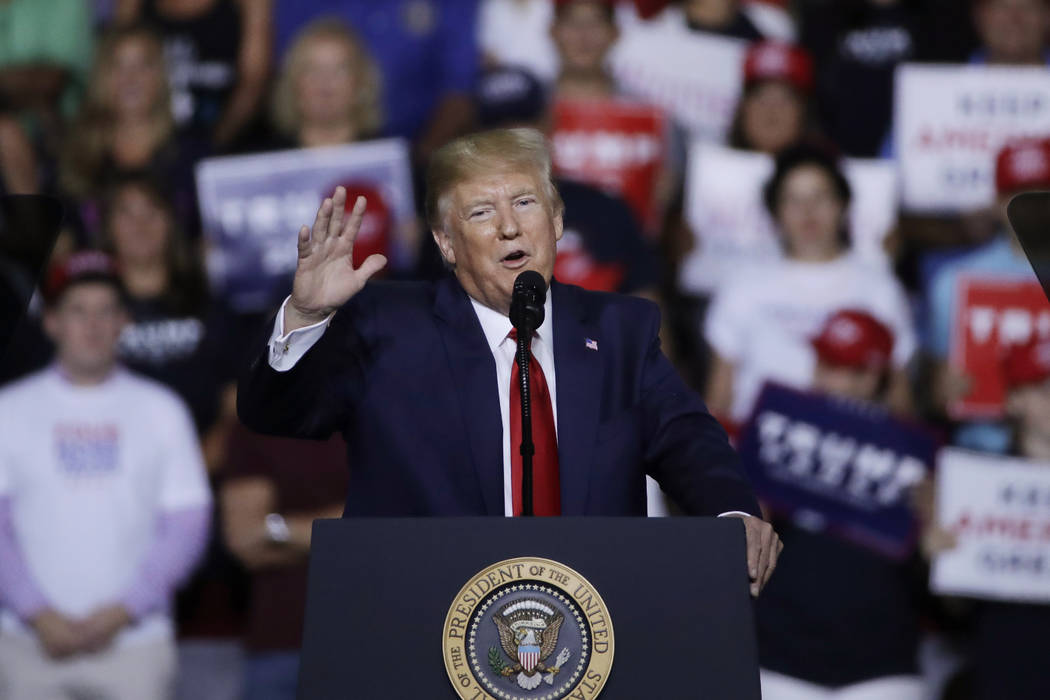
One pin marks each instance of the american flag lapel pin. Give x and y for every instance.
(591, 344)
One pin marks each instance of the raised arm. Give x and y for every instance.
(279, 395)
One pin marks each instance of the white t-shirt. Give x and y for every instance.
(88, 470)
(764, 319)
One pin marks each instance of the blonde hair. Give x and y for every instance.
(366, 113)
(90, 136)
(518, 149)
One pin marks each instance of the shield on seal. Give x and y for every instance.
(528, 656)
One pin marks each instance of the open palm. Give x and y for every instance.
(325, 277)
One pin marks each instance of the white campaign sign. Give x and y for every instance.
(999, 510)
(693, 76)
(950, 123)
(725, 211)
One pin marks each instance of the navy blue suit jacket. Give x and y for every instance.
(405, 372)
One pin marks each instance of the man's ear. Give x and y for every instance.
(559, 225)
(444, 244)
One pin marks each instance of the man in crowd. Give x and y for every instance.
(104, 508)
(419, 378)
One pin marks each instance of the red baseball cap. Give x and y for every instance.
(85, 266)
(854, 338)
(1023, 165)
(1027, 363)
(774, 60)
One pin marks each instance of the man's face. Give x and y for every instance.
(495, 227)
(848, 382)
(85, 327)
(583, 33)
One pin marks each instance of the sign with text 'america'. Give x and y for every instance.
(998, 509)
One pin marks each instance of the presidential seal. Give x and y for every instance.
(528, 629)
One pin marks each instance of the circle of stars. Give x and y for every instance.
(570, 683)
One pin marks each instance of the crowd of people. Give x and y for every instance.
(183, 575)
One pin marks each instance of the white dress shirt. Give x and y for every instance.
(287, 348)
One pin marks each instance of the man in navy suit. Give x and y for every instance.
(420, 377)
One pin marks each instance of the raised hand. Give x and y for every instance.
(325, 277)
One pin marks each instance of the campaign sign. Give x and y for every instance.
(693, 76)
(615, 145)
(842, 466)
(950, 123)
(998, 508)
(991, 315)
(252, 207)
(725, 211)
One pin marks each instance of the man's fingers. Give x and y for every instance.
(372, 264)
(772, 553)
(320, 229)
(353, 222)
(753, 548)
(335, 225)
(758, 536)
(303, 241)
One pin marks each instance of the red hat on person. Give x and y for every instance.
(1027, 363)
(1023, 165)
(774, 60)
(854, 338)
(85, 266)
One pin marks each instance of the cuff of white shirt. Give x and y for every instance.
(735, 512)
(287, 348)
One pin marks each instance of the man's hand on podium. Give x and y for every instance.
(763, 548)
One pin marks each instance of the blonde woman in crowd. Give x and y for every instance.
(125, 125)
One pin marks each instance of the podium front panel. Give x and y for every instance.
(676, 590)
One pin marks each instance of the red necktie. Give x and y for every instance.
(546, 487)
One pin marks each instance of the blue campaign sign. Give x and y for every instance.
(839, 465)
(253, 205)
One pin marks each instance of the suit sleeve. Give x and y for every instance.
(313, 397)
(686, 449)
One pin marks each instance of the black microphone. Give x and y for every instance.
(526, 302)
(526, 314)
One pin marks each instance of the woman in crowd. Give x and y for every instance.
(328, 94)
(328, 90)
(218, 54)
(774, 109)
(126, 125)
(759, 325)
(180, 337)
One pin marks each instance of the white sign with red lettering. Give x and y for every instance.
(731, 225)
(694, 76)
(998, 508)
(950, 123)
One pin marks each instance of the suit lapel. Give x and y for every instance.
(474, 374)
(578, 385)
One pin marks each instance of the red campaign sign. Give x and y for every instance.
(990, 316)
(615, 145)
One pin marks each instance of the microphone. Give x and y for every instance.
(526, 314)
(526, 302)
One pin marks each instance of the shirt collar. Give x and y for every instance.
(496, 326)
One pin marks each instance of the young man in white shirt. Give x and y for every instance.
(104, 508)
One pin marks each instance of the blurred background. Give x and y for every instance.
(813, 191)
